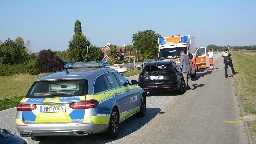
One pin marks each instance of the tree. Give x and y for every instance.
(129, 48)
(47, 61)
(28, 47)
(146, 43)
(112, 57)
(78, 28)
(78, 45)
(66, 54)
(213, 47)
(21, 48)
(20, 42)
(94, 53)
(112, 51)
(13, 52)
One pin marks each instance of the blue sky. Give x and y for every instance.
(50, 23)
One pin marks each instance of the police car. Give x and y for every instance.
(79, 102)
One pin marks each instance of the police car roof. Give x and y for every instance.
(75, 74)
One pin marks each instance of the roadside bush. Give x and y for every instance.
(48, 61)
(111, 61)
(9, 70)
(10, 102)
(120, 61)
(132, 73)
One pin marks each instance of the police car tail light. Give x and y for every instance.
(26, 107)
(84, 104)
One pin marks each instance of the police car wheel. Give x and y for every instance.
(113, 128)
(38, 138)
(143, 106)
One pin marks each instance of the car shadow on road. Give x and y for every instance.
(130, 126)
(163, 93)
(201, 74)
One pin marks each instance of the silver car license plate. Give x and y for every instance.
(156, 77)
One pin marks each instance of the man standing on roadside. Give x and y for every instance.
(210, 53)
(227, 60)
(185, 65)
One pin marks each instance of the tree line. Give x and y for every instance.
(16, 56)
(233, 48)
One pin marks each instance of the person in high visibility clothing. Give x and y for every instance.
(210, 53)
(227, 60)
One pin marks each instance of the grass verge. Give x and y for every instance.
(16, 85)
(132, 73)
(245, 64)
(13, 88)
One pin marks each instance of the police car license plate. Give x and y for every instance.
(53, 109)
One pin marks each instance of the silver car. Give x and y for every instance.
(79, 102)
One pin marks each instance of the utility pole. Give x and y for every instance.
(87, 53)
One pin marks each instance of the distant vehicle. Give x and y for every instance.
(201, 58)
(161, 75)
(104, 63)
(79, 102)
(7, 137)
(119, 67)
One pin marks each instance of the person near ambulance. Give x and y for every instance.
(227, 60)
(185, 66)
(210, 54)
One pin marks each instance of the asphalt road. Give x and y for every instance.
(208, 114)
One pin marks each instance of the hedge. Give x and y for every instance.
(10, 102)
(132, 73)
(9, 70)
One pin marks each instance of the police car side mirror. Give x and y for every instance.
(126, 84)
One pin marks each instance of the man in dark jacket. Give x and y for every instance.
(227, 60)
(185, 65)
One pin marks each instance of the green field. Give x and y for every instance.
(245, 65)
(16, 85)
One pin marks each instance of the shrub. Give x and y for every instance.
(10, 102)
(132, 73)
(48, 61)
(9, 70)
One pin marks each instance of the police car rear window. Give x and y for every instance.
(58, 88)
(167, 67)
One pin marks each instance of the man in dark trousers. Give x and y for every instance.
(227, 60)
(185, 65)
